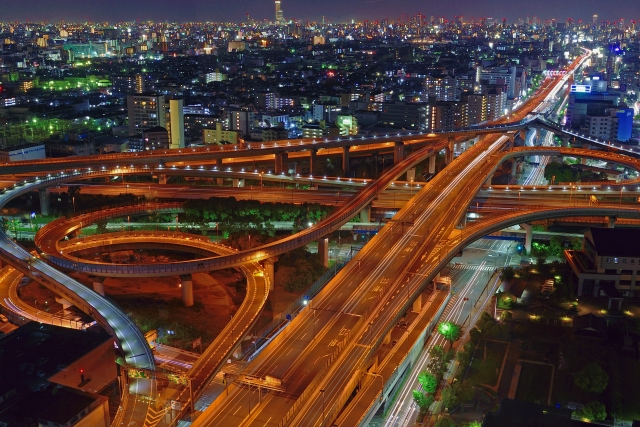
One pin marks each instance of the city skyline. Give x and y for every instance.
(332, 11)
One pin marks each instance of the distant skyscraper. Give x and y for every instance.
(279, 14)
(145, 111)
(176, 123)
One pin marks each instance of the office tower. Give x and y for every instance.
(279, 14)
(145, 111)
(176, 123)
(140, 83)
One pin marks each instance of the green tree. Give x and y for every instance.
(449, 397)
(428, 381)
(472, 424)
(592, 378)
(464, 390)
(485, 322)
(555, 246)
(438, 360)
(423, 401)
(592, 411)
(507, 274)
(445, 422)
(450, 331)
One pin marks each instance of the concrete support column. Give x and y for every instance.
(611, 222)
(270, 271)
(65, 304)
(282, 163)
(411, 175)
(387, 338)
(565, 142)
(313, 159)
(219, 181)
(417, 304)
(98, 285)
(365, 214)
(237, 182)
(398, 152)
(323, 251)
(583, 161)
(162, 179)
(448, 152)
(345, 161)
(528, 236)
(186, 283)
(45, 201)
(487, 183)
(463, 220)
(432, 164)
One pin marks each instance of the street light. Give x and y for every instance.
(375, 374)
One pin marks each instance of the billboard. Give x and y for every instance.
(581, 88)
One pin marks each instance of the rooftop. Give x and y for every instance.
(618, 242)
(35, 352)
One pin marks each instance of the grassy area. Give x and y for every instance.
(185, 323)
(629, 390)
(533, 384)
(487, 370)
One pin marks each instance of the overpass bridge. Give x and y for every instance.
(76, 295)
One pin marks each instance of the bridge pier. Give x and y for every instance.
(611, 222)
(219, 181)
(282, 163)
(417, 304)
(528, 228)
(323, 251)
(270, 271)
(448, 152)
(432, 164)
(98, 285)
(345, 161)
(487, 183)
(45, 201)
(365, 214)
(162, 179)
(398, 152)
(514, 169)
(237, 182)
(186, 283)
(313, 162)
(565, 142)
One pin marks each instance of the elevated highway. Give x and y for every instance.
(135, 350)
(335, 379)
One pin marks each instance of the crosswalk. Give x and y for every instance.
(459, 266)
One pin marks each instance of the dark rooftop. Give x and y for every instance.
(589, 325)
(618, 242)
(517, 413)
(34, 352)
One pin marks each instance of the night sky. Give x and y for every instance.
(334, 10)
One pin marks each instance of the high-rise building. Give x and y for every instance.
(145, 111)
(176, 123)
(140, 83)
(279, 14)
